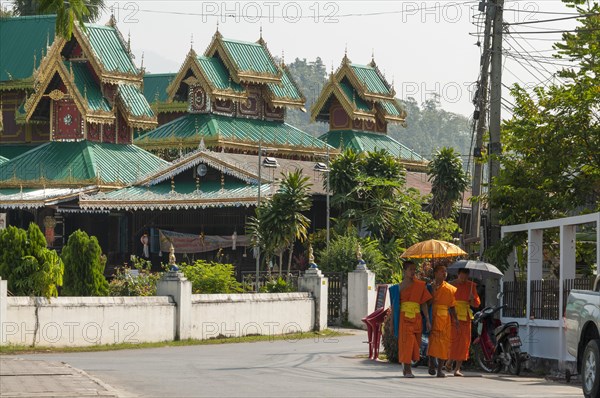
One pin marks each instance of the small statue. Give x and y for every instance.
(359, 253)
(311, 258)
(172, 260)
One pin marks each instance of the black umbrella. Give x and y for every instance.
(478, 269)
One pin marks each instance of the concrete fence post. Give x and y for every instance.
(314, 282)
(361, 294)
(3, 310)
(177, 286)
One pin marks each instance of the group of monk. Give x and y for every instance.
(449, 326)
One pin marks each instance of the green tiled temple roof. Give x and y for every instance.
(362, 141)
(353, 96)
(155, 86)
(3, 159)
(218, 74)
(193, 127)
(250, 56)
(109, 49)
(83, 162)
(390, 108)
(10, 151)
(134, 100)
(87, 85)
(22, 38)
(369, 76)
(287, 89)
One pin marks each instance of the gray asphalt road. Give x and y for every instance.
(333, 367)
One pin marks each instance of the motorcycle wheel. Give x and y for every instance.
(514, 367)
(489, 366)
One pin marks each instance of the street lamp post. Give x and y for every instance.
(257, 206)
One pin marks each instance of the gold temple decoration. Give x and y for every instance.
(172, 259)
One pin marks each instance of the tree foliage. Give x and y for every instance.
(279, 222)
(67, 12)
(448, 182)
(551, 161)
(29, 267)
(84, 266)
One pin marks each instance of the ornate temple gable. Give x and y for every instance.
(246, 62)
(363, 94)
(209, 73)
(76, 85)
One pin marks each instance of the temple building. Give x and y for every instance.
(359, 103)
(69, 112)
(233, 98)
(89, 141)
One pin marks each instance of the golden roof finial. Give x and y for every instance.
(282, 57)
(217, 26)
(260, 32)
(129, 42)
(142, 66)
(192, 40)
(373, 55)
(48, 39)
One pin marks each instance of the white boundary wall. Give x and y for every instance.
(84, 321)
(546, 338)
(235, 315)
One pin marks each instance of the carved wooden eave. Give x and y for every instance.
(391, 118)
(105, 76)
(239, 76)
(141, 122)
(249, 146)
(169, 107)
(167, 201)
(332, 88)
(283, 102)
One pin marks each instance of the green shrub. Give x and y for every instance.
(211, 277)
(84, 266)
(29, 267)
(278, 285)
(341, 256)
(140, 283)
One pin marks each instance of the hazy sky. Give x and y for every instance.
(424, 46)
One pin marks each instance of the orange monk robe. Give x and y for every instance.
(440, 337)
(461, 337)
(411, 324)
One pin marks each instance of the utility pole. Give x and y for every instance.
(495, 115)
(481, 117)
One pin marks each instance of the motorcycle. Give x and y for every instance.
(497, 346)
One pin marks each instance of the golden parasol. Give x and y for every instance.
(433, 249)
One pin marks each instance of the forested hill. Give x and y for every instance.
(428, 126)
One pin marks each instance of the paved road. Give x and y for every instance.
(333, 367)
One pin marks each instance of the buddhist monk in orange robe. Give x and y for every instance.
(443, 320)
(413, 299)
(466, 297)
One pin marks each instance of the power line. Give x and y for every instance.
(555, 19)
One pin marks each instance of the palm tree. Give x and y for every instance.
(291, 200)
(448, 182)
(67, 12)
